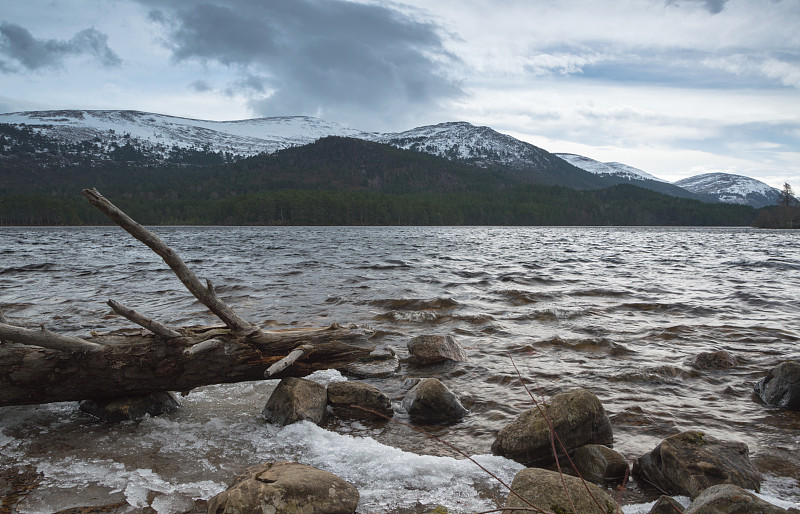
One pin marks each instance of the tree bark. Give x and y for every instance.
(123, 365)
(38, 366)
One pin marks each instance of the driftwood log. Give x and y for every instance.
(39, 366)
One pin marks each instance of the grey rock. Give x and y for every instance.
(342, 396)
(600, 464)
(730, 499)
(430, 401)
(286, 487)
(128, 408)
(545, 490)
(577, 417)
(432, 349)
(714, 360)
(380, 363)
(296, 399)
(666, 505)
(690, 462)
(781, 386)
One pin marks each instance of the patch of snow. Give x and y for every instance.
(607, 168)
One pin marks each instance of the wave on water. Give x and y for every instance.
(43, 267)
(416, 304)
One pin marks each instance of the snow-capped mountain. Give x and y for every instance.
(607, 168)
(80, 137)
(147, 138)
(730, 188)
(161, 132)
(460, 140)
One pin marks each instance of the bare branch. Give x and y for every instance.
(287, 361)
(205, 295)
(141, 320)
(45, 339)
(204, 346)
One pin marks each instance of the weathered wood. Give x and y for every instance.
(127, 365)
(205, 294)
(151, 325)
(288, 360)
(45, 339)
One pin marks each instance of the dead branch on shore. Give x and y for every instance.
(39, 366)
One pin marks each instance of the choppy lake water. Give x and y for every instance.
(619, 311)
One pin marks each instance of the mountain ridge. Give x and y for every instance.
(90, 137)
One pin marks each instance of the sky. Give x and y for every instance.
(673, 87)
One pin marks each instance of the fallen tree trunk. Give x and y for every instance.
(137, 364)
(39, 366)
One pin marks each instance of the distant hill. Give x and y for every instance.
(729, 188)
(618, 173)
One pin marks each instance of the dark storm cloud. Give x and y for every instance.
(314, 56)
(24, 50)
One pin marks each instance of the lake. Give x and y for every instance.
(619, 311)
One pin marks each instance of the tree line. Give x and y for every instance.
(523, 205)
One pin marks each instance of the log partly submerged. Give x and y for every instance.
(39, 366)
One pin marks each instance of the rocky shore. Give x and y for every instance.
(565, 442)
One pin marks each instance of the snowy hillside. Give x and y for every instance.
(607, 168)
(730, 188)
(245, 137)
(460, 140)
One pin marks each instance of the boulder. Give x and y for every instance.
(130, 407)
(296, 399)
(545, 490)
(666, 505)
(690, 462)
(430, 401)
(343, 395)
(432, 349)
(577, 417)
(600, 464)
(730, 499)
(285, 487)
(781, 386)
(714, 360)
(380, 363)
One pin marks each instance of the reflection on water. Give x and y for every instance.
(620, 311)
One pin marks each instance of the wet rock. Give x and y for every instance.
(343, 395)
(432, 349)
(600, 464)
(430, 401)
(689, 462)
(380, 363)
(130, 407)
(730, 499)
(545, 490)
(577, 416)
(781, 386)
(714, 360)
(296, 399)
(666, 505)
(285, 487)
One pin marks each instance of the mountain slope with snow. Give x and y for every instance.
(618, 173)
(729, 188)
(158, 131)
(485, 147)
(607, 168)
(145, 138)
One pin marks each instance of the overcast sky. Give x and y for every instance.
(674, 87)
